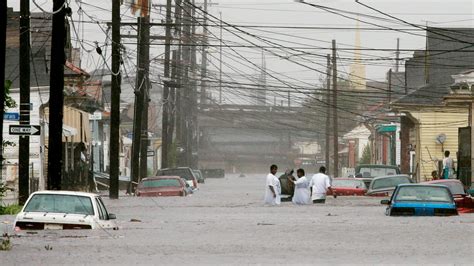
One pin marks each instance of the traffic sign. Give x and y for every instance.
(11, 116)
(25, 130)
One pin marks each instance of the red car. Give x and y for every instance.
(464, 202)
(161, 186)
(348, 187)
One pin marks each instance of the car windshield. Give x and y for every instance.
(389, 182)
(58, 203)
(348, 183)
(183, 173)
(375, 172)
(456, 188)
(162, 183)
(421, 193)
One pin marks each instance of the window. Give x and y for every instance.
(57, 203)
(162, 183)
(103, 215)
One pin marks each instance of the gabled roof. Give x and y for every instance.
(428, 95)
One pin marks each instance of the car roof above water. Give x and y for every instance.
(65, 192)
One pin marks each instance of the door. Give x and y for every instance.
(464, 155)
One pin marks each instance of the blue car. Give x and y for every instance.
(421, 200)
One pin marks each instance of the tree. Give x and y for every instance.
(366, 154)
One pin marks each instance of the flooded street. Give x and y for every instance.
(225, 222)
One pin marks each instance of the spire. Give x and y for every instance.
(357, 68)
(261, 93)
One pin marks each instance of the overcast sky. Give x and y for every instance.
(284, 13)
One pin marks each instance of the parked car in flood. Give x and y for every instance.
(162, 186)
(200, 177)
(348, 187)
(464, 202)
(385, 185)
(184, 172)
(367, 172)
(64, 210)
(421, 200)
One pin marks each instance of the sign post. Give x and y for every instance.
(25, 130)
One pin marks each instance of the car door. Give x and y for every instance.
(103, 215)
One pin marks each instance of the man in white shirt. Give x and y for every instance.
(272, 187)
(320, 183)
(302, 194)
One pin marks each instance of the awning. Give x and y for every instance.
(67, 130)
(386, 128)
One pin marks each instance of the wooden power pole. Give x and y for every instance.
(115, 104)
(3, 46)
(24, 143)
(165, 138)
(328, 112)
(334, 108)
(140, 92)
(56, 97)
(144, 34)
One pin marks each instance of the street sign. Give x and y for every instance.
(150, 153)
(25, 130)
(11, 116)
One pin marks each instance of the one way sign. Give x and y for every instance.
(25, 130)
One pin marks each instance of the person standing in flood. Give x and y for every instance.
(272, 187)
(302, 193)
(448, 166)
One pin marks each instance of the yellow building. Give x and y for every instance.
(428, 128)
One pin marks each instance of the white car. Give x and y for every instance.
(64, 210)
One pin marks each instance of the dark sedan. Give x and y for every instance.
(162, 186)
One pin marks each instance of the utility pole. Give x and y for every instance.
(56, 97)
(220, 59)
(194, 139)
(24, 143)
(397, 56)
(3, 46)
(115, 104)
(186, 88)
(145, 50)
(328, 111)
(334, 108)
(140, 91)
(204, 56)
(389, 86)
(165, 138)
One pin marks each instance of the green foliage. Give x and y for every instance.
(10, 209)
(173, 155)
(366, 154)
(9, 102)
(5, 243)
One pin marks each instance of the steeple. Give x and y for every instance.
(261, 93)
(357, 68)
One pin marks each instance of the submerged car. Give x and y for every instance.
(421, 200)
(199, 176)
(385, 185)
(348, 187)
(162, 186)
(464, 202)
(184, 172)
(367, 172)
(64, 210)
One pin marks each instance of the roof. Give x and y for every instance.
(66, 192)
(428, 95)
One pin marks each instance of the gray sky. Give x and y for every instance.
(285, 13)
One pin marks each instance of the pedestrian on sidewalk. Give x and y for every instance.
(272, 187)
(320, 184)
(301, 194)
